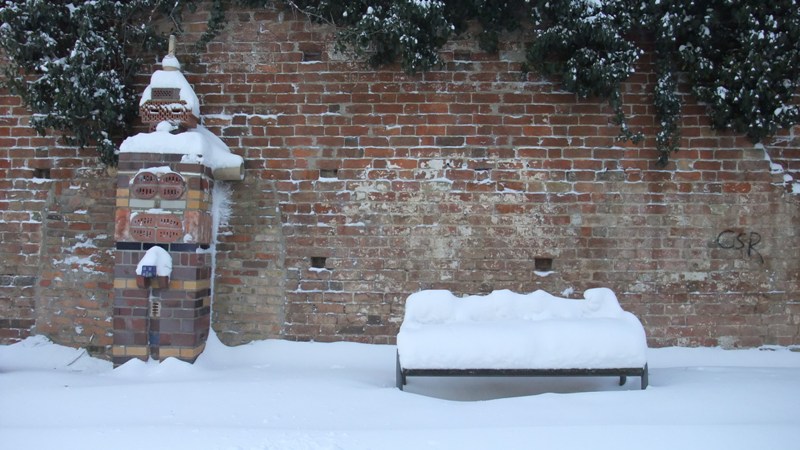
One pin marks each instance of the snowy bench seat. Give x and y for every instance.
(511, 334)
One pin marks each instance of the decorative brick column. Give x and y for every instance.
(162, 202)
(162, 305)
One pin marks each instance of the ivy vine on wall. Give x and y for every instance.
(73, 63)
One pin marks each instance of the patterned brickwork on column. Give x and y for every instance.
(162, 202)
(162, 323)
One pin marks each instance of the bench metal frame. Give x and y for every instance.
(622, 373)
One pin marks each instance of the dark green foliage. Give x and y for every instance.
(71, 63)
(584, 44)
(746, 67)
(742, 59)
(740, 56)
(668, 108)
(385, 31)
(494, 16)
(412, 31)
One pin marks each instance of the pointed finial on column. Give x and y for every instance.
(170, 62)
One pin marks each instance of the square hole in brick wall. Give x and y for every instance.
(318, 262)
(41, 173)
(543, 264)
(329, 173)
(312, 55)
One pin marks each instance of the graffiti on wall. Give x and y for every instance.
(745, 243)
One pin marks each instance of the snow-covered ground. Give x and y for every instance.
(290, 395)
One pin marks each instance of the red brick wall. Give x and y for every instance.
(460, 179)
(56, 226)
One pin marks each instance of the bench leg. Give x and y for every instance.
(400, 378)
(622, 380)
(645, 378)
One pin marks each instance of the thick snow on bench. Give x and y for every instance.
(506, 330)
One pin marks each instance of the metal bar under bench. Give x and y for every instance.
(623, 373)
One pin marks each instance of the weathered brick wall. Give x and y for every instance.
(22, 208)
(56, 226)
(250, 277)
(461, 178)
(74, 297)
(363, 186)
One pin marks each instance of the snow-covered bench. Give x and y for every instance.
(511, 334)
